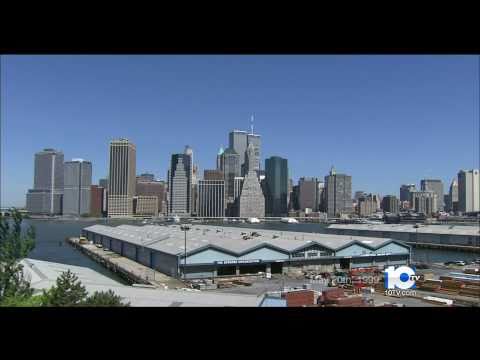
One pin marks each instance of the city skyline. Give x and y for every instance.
(376, 169)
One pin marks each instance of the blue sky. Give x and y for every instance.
(385, 120)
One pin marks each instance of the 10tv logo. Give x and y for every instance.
(402, 278)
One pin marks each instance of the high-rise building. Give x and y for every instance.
(321, 196)
(231, 166)
(152, 188)
(451, 203)
(220, 158)
(212, 175)
(121, 178)
(308, 191)
(180, 184)
(391, 204)
(435, 186)
(424, 202)
(194, 191)
(367, 205)
(276, 182)
(46, 197)
(77, 182)
(469, 191)
(145, 177)
(145, 206)
(96, 201)
(211, 198)
(103, 183)
(338, 191)
(239, 142)
(405, 192)
(252, 200)
(359, 194)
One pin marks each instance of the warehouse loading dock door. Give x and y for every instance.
(226, 270)
(345, 264)
(253, 269)
(276, 268)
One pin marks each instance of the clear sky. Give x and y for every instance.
(385, 120)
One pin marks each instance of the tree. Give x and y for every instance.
(68, 291)
(105, 298)
(14, 246)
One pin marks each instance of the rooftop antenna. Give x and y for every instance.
(251, 124)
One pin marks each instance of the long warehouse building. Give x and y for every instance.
(213, 251)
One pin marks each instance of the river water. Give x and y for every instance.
(50, 244)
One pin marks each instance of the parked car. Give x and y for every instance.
(460, 263)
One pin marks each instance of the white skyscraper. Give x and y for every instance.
(468, 191)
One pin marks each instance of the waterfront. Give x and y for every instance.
(51, 245)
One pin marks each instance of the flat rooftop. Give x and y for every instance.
(43, 274)
(171, 239)
(464, 230)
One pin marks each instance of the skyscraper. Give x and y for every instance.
(338, 191)
(424, 202)
(122, 178)
(180, 184)
(252, 200)
(77, 182)
(320, 196)
(239, 141)
(405, 191)
(146, 187)
(468, 191)
(452, 199)
(437, 187)
(211, 198)
(367, 205)
(47, 193)
(97, 198)
(220, 158)
(276, 177)
(391, 204)
(308, 191)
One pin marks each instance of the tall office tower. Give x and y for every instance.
(46, 197)
(435, 186)
(378, 202)
(213, 175)
(77, 182)
(146, 177)
(180, 185)
(152, 188)
(359, 194)
(321, 196)
(338, 191)
(452, 204)
(96, 201)
(194, 192)
(276, 183)
(252, 200)
(424, 202)
(231, 169)
(211, 198)
(220, 158)
(391, 204)
(367, 205)
(308, 193)
(295, 197)
(405, 192)
(145, 206)
(121, 178)
(468, 191)
(238, 143)
(103, 183)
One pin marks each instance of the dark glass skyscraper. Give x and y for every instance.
(77, 182)
(276, 177)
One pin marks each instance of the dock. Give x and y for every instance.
(129, 270)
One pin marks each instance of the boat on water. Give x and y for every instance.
(253, 220)
(289, 220)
